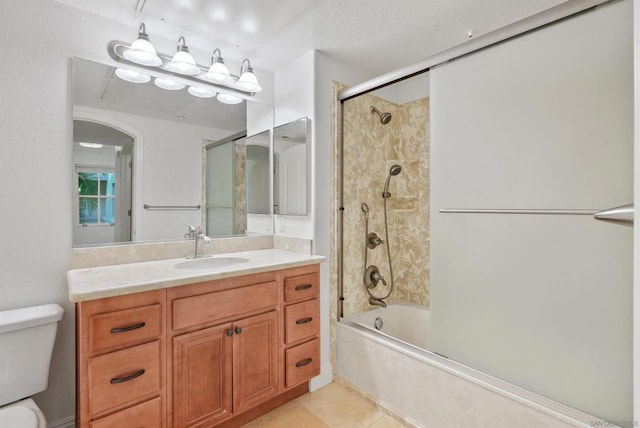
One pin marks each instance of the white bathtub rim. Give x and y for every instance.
(520, 395)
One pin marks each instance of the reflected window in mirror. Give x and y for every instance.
(291, 168)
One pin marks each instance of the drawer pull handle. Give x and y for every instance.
(127, 378)
(303, 287)
(229, 333)
(128, 328)
(238, 330)
(304, 362)
(304, 320)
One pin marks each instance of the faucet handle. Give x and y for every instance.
(191, 231)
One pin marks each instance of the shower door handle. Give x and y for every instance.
(622, 215)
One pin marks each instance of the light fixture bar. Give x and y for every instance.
(116, 51)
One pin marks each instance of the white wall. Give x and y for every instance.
(542, 121)
(39, 37)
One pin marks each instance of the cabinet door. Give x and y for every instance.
(255, 362)
(202, 377)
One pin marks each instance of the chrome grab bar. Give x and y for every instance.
(171, 207)
(619, 215)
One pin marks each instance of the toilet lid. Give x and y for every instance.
(18, 416)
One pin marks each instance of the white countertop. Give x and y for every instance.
(116, 280)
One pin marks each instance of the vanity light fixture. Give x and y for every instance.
(177, 71)
(182, 62)
(218, 72)
(142, 51)
(132, 76)
(229, 99)
(201, 92)
(168, 84)
(247, 79)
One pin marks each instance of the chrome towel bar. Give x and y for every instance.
(619, 215)
(171, 207)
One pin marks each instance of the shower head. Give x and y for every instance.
(384, 117)
(393, 171)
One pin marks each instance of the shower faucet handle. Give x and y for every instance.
(372, 277)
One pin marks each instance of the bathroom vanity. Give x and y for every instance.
(199, 343)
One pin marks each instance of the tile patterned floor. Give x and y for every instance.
(331, 406)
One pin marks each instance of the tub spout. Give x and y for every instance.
(377, 302)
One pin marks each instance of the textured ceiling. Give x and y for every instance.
(374, 35)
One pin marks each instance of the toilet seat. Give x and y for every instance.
(23, 414)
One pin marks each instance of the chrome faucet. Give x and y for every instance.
(201, 239)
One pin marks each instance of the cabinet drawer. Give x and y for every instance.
(220, 305)
(302, 320)
(302, 362)
(143, 415)
(300, 287)
(121, 328)
(123, 377)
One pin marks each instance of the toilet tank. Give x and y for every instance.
(26, 342)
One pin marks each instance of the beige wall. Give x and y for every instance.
(370, 149)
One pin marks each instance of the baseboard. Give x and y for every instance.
(68, 422)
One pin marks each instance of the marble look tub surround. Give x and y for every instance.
(370, 149)
(117, 280)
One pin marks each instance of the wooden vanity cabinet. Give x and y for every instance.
(120, 347)
(301, 337)
(215, 353)
(231, 326)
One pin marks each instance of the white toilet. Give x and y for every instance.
(26, 342)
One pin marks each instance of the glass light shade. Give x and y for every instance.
(132, 76)
(229, 99)
(183, 63)
(249, 82)
(169, 85)
(142, 52)
(201, 92)
(219, 73)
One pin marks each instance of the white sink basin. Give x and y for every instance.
(211, 263)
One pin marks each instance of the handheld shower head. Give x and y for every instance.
(393, 171)
(365, 210)
(384, 117)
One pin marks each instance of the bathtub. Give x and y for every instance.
(388, 361)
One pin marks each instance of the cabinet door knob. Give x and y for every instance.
(229, 333)
(304, 362)
(127, 378)
(303, 287)
(128, 328)
(304, 320)
(238, 330)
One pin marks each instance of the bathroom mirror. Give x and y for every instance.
(147, 181)
(291, 168)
